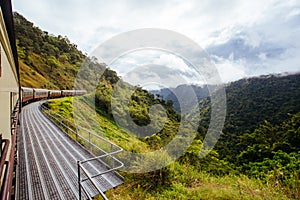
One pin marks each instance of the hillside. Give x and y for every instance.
(46, 61)
(252, 101)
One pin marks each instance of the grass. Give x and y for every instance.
(189, 183)
(39, 75)
(30, 78)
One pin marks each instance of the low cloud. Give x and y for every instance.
(230, 69)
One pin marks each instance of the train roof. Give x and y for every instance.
(75, 90)
(39, 89)
(68, 90)
(6, 8)
(26, 88)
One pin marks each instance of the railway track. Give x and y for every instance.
(47, 167)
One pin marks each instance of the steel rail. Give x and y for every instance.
(99, 137)
(96, 157)
(55, 179)
(37, 161)
(83, 138)
(106, 154)
(58, 146)
(81, 128)
(76, 150)
(26, 159)
(61, 148)
(74, 170)
(80, 167)
(47, 143)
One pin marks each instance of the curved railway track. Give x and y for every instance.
(48, 158)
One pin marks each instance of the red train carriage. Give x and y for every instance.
(27, 94)
(40, 94)
(33, 94)
(54, 94)
(67, 93)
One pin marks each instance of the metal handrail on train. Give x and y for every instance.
(9, 169)
(3, 153)
(80, 164)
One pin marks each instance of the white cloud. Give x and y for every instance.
(262, 56)
(154, 67)
(230, 69)
(81, 20)
(175, 63)
(269, 29)
(269, 45)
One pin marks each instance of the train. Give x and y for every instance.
(9, 101)
(34, 94)
(12, 97)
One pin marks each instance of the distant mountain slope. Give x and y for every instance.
(252, 101)
(264, 98)
(184, 97)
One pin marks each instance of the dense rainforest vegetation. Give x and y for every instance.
(257, 156)
(252, 102)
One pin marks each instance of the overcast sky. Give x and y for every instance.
(243, 38)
